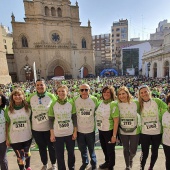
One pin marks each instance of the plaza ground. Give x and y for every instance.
(120, 164)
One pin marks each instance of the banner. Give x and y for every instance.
(35, 74)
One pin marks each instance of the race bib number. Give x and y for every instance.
(127, 123)
(41, 118)
(63, 124)
(85, 113)
(99, 124)
(20, 125)
(149, 126)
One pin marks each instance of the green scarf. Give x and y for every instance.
(41, 95)
(18, 107)
(62, 102)
(107, 101)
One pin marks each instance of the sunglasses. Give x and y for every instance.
(39, 99)
(86, 90)
(142, 86)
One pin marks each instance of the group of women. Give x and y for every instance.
(147, 120)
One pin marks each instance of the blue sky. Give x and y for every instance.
(143, 15)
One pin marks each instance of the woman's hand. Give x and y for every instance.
(52, 136)
(74, 137)
(113, 139)
(7, 143)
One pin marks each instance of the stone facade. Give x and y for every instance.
(52, 37)
(156, 63)
(4, 73)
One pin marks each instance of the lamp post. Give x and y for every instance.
(39, 73)
(148, 65)
(136, 71)
(27, 69)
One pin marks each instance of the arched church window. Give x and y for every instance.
(83, 43)
(155, 70)
(24, 41)
(59, 12)
(46, 11)
(53, 12)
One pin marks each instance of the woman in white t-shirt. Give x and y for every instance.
(63, 127)
(107, 120)
(151, 111)
(18, 134)
(3, 147)
(129, 124)
(166, 133)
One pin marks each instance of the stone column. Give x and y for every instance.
(4, 73)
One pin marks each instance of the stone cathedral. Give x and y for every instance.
(53, 38)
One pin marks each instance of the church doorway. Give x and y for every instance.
(58, 71)
(85, 72)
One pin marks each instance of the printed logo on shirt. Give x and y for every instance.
(85, 112)
(20, 125)
(128, 122)
(63, 124)
(40, 118)
(149, 126)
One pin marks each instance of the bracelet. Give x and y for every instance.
(114, 136)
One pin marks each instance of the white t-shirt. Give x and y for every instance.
(85, 114)
(166, 128)
(2, 127)
(150, 118)
(40, 121)
(63, 125)
(129, 118)
(19, 125)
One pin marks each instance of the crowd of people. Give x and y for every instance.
(56, 113)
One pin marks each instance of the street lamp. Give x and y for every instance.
(136, 71)
(27, 69)
(148, 65)
(39, 73)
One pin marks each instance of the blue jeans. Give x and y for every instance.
(84, 141)
(3, 157)
(59, 147)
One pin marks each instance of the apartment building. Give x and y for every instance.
(162, 30)
(101, 45)
(119, 33)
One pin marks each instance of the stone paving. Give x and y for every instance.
(120, 164)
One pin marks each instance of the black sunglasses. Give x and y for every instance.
(84, 90)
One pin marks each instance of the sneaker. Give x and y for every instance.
(103, 166)
(54, 167)
(45, 167)
(29, 168)
(127, 168)
(83, 167)
(131, 164)
(150, 168)
(94, 168)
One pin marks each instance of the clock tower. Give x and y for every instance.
(53, 38)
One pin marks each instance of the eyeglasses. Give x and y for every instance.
(142, 86)
(86, 90)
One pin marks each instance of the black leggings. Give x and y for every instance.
(22, 151)
(146, 141)
(167, 156)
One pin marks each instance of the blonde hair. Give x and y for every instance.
(129, 96)
(12, 102)
(62, 86)
(140, 99)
